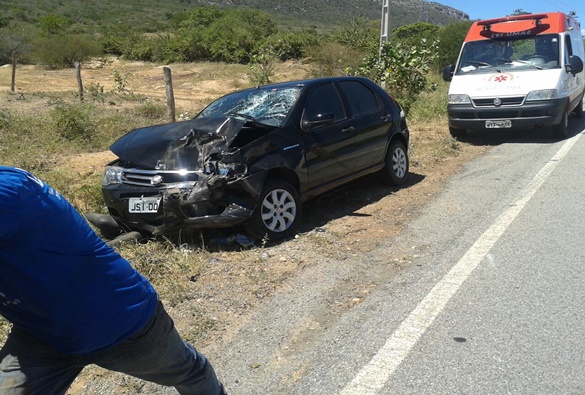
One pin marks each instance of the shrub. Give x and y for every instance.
(74, 122)
(333, 59)
(63, 50)
(451, 38)
(292, 45)
(358, 34)
(402, 69)
(151, 110)
(262, 66)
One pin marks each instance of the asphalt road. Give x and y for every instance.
(489, 299)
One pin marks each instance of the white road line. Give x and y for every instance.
(377, 372)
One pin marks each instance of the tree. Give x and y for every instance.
(402, 69)
(51, 25)
(414, 33)
(235, 36)
(63, 50)
(358, 34)
(451, 37)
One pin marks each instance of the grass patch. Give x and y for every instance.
(169, 268)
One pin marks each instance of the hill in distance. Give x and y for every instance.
(300, 13)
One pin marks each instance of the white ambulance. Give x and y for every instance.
(521, 71)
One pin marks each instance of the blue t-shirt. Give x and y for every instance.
(58, 280)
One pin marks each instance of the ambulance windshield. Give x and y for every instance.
(529, 53)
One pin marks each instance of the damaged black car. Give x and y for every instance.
(253, 157)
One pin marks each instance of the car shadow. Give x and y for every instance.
(348, 199)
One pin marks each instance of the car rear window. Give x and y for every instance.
(361, 98)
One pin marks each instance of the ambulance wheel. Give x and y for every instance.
(561, 130)
(457, 132)
(579, 109)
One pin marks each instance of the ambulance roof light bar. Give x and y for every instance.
(487, 24)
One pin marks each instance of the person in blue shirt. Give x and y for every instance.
(74, 301)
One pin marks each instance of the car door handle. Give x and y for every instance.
(348, 130)
(386, 118)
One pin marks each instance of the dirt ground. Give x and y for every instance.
(343, 224)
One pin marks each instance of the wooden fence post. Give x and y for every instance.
(170, 94)
(13, 83)
(79, 82)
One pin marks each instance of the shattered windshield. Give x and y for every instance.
(531, 53)
(267, 106)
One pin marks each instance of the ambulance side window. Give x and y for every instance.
(568, 48)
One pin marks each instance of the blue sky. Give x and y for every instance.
(487, 9)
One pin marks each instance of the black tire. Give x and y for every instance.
(396, 164)
(561, 130)
(579, 110)
(457, 132)
(278, 212)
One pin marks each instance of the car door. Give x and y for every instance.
(328, 136)
(372, 123)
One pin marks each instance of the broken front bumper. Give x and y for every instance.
(216, 203)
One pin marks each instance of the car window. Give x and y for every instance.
(361, 98)
(324, 100)
(267, 106)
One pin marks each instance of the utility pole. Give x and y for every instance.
(385, 22)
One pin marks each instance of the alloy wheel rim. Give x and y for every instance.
(279, 210)
(399, 162)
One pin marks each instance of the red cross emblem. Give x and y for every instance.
(501, 78)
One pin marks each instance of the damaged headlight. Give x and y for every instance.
(112, 175)
(225, 169)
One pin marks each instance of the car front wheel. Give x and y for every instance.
(396, 166)
(278, 212)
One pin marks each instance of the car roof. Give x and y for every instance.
(311, 81)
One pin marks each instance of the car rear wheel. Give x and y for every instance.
(396, 166)
(278, 213)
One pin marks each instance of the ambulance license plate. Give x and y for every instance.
(503, 124)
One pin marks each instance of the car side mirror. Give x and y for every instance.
(575, 65)
(448, 71)
(319, 120)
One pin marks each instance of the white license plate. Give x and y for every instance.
(498, 124)
(144, 204)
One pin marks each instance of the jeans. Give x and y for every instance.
(156, 353)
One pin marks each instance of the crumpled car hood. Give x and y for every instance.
(178, 145)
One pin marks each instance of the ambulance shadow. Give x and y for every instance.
(539, 135)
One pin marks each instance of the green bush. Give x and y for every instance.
(51, 25)
(332, 58)
(74, 122)
(402, 69)
(358, 34)
(293, 45)
(234, 37)
(63, 50)
(150, 110)
(451, 38)
(262, 66)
